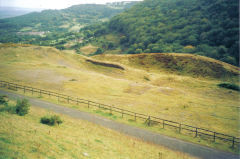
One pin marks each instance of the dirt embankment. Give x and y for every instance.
(105, 64)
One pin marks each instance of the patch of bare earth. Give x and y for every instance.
(41, 75)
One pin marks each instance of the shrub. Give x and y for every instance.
(51, 120)
(22, 107)
(5, 106)
(229, 86)
(3, 99)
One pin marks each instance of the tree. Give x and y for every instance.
(110, 45)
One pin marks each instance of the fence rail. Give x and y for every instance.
(149, 120)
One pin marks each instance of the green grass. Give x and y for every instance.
(26, 137)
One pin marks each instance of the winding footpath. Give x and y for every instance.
(148, 136)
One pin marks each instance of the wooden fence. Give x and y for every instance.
(149, 120)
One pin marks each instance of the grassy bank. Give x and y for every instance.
(26, 137)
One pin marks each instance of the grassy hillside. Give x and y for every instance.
(157, 89)
(26, 137)
(204, 27)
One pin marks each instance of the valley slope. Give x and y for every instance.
(143, 85)
(51, 27)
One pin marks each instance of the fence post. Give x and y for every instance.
(180, 127)
(49, 94)
(77, 101)
(149, 121)
(163, 123)
(214, 136)
(40, 92)
(233, 142)
(196, 132)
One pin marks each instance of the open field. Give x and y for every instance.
(26, 137)
(175, 95)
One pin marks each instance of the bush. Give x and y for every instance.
(229, 86)
(22, 107)
(5, 106)
(52, 120)
(3, 99)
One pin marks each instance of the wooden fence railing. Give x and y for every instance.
(149, 120)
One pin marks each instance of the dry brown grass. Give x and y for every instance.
(179, 97)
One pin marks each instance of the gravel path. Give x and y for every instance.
(172, 143)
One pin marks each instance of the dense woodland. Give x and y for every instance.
(204, 27)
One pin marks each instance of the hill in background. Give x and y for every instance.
(8, 12)
(52, 27)
(203, 27)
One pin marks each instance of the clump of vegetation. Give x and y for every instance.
(3, 103)
(3, 99)
(73, 79)
(99, 51)
(22, 107)
(146, 78)
(51, 120)
(229, 86)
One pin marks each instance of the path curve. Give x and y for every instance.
(172, 143)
